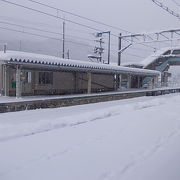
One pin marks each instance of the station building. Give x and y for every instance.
(29, 74)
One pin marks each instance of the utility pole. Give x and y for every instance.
(119, 48)
(63, 54)
(109, 43)
(100, 50)
(5, 48)
(109, 46)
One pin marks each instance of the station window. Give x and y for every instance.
(26, 77)
(45, 78)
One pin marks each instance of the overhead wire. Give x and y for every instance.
(44, 36)
(49, 14)
(44, 25)
(68, 20)
(98, 22)
(42, 30)
(37, 23)
(134, 55)
(55, 16)
(79, 16)
(130, 54)
(167, 9)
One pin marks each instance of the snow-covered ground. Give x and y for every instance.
(134, 139)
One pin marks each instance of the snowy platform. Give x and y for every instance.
(12, 104)
(8, 99)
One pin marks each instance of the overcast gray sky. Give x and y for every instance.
(139, 15)
(131, 15)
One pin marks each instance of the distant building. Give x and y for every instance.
(160, 61)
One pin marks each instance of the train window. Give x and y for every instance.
(45, 77)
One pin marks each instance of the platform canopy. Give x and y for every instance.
(29, 59)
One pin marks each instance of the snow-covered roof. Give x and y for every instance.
(32, 58)
(156, 55)
(131, 64)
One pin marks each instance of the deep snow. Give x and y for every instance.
(134, 139)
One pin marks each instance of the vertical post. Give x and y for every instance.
(120, 80)
(109, 46)
(63, 54)
(116, 80)
(5, 80)
(100, 51)
(18, 82)
(68, 54)
(5, 48)
(119, 48)
(155, 82)
(138, 81)
(76, 82)
(89, 82)
(129, 81)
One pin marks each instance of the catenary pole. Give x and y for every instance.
(109, 47)
(119, 48)
(63, 54)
